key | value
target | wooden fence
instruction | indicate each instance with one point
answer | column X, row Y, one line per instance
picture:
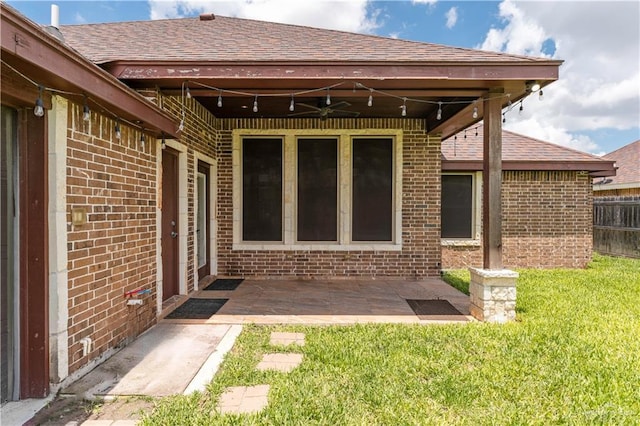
column 616, row 225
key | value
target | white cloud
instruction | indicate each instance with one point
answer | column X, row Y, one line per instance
column 79, row 19
column 429, row 2
column 534, row 128
column 599, row 85
column 522, row 35
column 351, row 15
column 452, row 17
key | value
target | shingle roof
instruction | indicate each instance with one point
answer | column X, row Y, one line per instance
column 235, row 39
column 627, row 160
column 518, row 148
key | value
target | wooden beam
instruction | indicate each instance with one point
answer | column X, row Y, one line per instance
column 449, row 74
column 462, row 119
column 34, row 255
column 492, row 182
column 197, row 91
column 593, row 167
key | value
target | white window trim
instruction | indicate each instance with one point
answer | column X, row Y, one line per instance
column 211, row 221
column 290, row 138
column 476, row 214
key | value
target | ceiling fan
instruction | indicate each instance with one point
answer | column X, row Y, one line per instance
column 323, row 111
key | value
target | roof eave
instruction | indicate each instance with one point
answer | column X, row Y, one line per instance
column 544, row 72
column 33, row 51
column 595, row 168
column 609, row 186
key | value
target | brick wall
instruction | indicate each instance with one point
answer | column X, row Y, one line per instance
column 114, row 252
column 420, row 254
column 547, row 222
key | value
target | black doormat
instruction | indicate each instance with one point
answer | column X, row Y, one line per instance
column 437, row 309
column 197, row 309
column 224, row 284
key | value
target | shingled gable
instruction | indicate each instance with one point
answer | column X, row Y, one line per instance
column 519, row 152
column 266, row 58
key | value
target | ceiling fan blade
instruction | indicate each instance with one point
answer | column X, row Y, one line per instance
column 345, row 113
column 314, row 113
column 341, row 104
column 313, row 107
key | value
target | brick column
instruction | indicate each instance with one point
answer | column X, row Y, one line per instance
column 493, row 294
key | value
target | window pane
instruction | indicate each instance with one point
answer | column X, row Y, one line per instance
column 457, row 206
column 372, row 190
column 317, row 190
column 262, row 189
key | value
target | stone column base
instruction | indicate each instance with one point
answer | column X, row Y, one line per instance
column 493, row 294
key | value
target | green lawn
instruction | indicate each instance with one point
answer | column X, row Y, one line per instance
column 572, row 357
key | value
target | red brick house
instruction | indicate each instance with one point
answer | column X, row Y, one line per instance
column 626, row 181
column 165, row 151
column 547, row 201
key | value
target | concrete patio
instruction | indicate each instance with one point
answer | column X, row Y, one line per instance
column 327, row 301
column 173, row 345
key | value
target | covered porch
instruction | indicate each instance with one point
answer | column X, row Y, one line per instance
column 369, row 111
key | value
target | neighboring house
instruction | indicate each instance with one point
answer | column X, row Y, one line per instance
column 626, row 182
column 230, row 147
column 617, row 205
column 546, row 195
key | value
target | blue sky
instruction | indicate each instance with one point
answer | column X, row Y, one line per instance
column 594, row 107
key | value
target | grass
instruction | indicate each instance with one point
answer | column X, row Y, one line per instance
column 572, row 357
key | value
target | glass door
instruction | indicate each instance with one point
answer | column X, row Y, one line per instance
column 203, row 233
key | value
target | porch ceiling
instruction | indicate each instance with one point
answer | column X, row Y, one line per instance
column 457, row 86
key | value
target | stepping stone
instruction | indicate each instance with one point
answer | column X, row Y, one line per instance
column 285, row 339
column 280, row 362
column 244, row 399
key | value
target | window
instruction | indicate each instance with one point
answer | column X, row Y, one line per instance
column 317, row 190
column 458, row 206
column 372, row 190
column 312, row 189
column 262, row 189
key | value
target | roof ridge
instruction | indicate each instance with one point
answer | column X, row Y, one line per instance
column 625, row 147
column 93, row 24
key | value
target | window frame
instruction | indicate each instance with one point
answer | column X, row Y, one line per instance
column 344, row 190
column 476, row 211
